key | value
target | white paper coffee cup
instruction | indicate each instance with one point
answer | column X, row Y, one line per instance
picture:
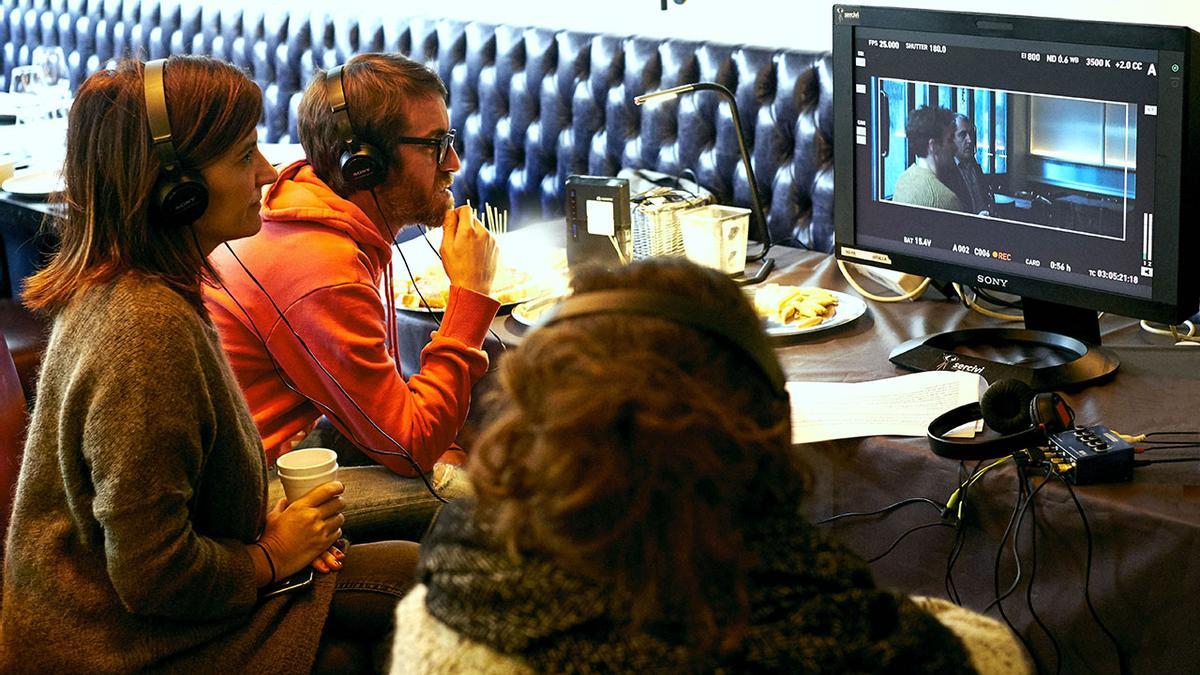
column 306, row 462
column 295, row 488
column 302, row 470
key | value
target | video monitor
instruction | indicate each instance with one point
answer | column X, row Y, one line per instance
column 1050, row 159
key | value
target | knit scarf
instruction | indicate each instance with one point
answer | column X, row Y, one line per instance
column 813, row 609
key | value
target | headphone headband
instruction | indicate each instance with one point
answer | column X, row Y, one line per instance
column 362, row 165
column 157, row 115
column 969, row 449
column 1044, row 414
column 748, row 338
column 336, row 93
column 180, row 195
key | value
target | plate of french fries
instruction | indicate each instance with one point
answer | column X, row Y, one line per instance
column 795, row 310
column 429, row 288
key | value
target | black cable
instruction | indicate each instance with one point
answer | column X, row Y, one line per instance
column 886, row 509
column 1024, row 489
column 1173, row 433
column 940, row 523
column 1147, row 462
column 981, row 293
column 996, row 571
column 1033, row 573
column 411, row 277
column 960, row 536
column 960, row 540
column 503, row 347
column 326, row 410
column 1122, row 661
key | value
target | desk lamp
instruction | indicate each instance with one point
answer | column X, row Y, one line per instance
column 760, row 221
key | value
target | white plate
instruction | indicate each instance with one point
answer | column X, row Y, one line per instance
column 531, row 293
column 531, row 312
column 35, row 183
column 849, row 308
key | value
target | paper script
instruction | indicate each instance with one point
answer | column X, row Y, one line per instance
column 896, row 406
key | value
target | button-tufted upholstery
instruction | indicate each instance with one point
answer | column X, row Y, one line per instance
column 532, row 105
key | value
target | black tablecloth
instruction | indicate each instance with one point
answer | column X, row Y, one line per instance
column 1145, row 534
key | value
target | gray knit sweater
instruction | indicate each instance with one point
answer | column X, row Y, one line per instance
column 142, row 479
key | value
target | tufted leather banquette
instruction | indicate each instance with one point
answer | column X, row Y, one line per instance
column 532, row 105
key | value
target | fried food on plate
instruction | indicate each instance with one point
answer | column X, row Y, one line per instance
column 511, row 285
column 798, row 306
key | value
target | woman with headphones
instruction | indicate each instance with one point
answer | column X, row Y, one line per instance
column 141, row 536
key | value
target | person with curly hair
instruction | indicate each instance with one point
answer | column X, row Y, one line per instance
column 638, row 507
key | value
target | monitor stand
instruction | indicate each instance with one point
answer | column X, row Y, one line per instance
column 1068, row 332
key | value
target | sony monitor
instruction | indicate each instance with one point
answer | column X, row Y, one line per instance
column 1054, row 160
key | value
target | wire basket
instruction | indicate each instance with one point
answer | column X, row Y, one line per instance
column 655, row 219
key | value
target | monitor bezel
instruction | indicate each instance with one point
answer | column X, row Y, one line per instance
column 1170, row 302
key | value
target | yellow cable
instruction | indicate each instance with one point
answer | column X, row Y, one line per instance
column 971, row 481
column 984, row 310
column 1128, row 438
column 914, row 293
column 1172, row 331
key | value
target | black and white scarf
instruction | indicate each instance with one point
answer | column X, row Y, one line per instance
column 813, row 609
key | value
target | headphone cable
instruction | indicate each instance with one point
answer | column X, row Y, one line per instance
column 1021, row 471
column 423, row 230
column 996, row 573
column 403, row 452
column 1122, row 661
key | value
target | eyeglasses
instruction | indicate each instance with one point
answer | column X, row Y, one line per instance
column 442, row 143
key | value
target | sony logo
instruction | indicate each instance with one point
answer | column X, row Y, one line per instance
column 992, row 281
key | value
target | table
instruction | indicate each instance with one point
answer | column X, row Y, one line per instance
column 1145, row 533
column 26, row 244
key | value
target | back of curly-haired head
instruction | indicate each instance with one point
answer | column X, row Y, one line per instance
column 634, row 449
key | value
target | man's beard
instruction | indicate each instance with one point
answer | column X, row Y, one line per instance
column 425, row 206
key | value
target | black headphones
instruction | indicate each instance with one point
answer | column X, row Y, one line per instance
column 180, row 194
column 362, row 165
column 1020, row 418
column 748, row 338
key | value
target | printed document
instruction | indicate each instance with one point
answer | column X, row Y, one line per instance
column 896, row 406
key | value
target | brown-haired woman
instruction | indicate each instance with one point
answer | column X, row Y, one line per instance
column 637, row 509
column 141, row 535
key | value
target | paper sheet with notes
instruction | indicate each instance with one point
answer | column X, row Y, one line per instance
column 896, row 406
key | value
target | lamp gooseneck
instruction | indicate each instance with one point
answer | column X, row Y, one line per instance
column 756, row 209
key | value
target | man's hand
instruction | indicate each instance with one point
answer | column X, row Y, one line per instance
column 468, row 251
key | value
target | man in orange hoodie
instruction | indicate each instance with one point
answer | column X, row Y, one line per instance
column 317, row 338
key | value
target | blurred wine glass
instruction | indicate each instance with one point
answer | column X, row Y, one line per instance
column 25, row 80
column 37, row 115
column 52, row 62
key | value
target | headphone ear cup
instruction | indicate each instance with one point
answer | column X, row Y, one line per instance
column 182, row 198
column 364, row 168
column 1051, row 411
column 1006, row 406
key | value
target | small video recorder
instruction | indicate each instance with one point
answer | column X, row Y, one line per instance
column 598, row 221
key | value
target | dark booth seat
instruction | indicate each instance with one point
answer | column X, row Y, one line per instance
column 532, row 105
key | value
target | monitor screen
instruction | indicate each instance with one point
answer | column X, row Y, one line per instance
column 1046, row 158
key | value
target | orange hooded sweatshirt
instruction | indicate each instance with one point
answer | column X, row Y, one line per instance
column 321, row 260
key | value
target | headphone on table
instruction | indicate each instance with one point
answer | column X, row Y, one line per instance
column 180, row 194
column 747, row 338
column 1020, row 418
column 362, row 165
